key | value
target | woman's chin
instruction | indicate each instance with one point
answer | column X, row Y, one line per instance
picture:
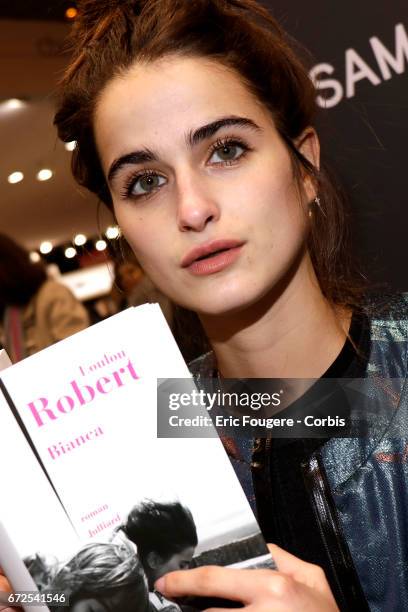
column 222, row 306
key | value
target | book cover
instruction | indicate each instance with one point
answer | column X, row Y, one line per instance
column 87, row 406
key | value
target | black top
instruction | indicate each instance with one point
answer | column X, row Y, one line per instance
column 285, row 513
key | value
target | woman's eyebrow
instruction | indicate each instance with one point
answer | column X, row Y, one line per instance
column 193, row 138
column 135, row 157
column 208, row 130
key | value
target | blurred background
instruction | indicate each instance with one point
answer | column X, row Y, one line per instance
column 41, row 206
column 357, row 55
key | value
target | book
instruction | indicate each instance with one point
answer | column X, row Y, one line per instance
column 85, row 468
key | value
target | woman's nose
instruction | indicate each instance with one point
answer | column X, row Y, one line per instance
column 196, row 206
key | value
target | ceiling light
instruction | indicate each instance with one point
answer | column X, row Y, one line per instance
column 34, row 257
column 44, row 175
column 70, row 252
column 70, row 146
column 79, row 239
column 100, row 245
column 12, row 104
column 45, row 247
column 112, row 232
column 71, row 12
column 15, row 177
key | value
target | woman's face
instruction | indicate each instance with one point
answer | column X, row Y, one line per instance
column 201, row 182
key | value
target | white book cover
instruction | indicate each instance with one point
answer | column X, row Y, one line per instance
column 31, row 517
column 88, row 405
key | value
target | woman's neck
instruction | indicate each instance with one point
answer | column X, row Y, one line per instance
column 293, row 334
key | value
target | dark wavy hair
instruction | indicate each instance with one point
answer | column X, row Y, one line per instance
column 20, row 278
column 110, row 35
column 163, row 528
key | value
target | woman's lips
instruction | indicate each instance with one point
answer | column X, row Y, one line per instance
column 215, row 262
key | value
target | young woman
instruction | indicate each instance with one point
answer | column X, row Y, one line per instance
column 193, row 120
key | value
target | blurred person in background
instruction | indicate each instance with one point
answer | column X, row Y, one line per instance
column 35, row 311
column 138, row 289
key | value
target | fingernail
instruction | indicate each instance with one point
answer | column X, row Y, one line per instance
column 160, row 584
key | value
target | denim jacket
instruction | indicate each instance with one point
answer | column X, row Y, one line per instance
column 358, row 487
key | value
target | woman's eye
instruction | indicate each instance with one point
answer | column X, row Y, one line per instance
column 227, row 152
column 146, row 183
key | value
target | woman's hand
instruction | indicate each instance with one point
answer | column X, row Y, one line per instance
column 5, row 586
column 296, row 585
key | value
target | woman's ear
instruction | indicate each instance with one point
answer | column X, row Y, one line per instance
column 309, row 146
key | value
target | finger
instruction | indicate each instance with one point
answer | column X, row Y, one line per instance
column 289, row 564
column 308, row 574
column 221, row 609
column 285, row 561
column 6, row 587
column 4, row 584
column 213, row 581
